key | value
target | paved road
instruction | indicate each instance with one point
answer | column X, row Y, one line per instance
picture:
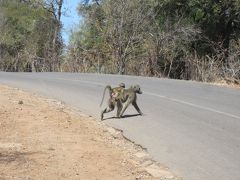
column 193, row 128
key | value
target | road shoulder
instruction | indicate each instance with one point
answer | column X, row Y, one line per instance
column 43, row 138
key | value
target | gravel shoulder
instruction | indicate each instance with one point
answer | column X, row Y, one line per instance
column 44, row 139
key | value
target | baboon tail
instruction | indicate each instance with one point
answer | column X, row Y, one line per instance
column 110, row 89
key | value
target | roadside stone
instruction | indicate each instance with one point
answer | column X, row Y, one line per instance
column 20, row 102
column 114, row 133
column 51, row 149
column 158, row 172
column 111, row 130
column 147, row 163
column 169, row 177
column 142, row 155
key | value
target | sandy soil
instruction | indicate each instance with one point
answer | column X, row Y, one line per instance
column 42, row 139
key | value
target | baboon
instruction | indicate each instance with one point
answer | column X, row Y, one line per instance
column 114, row 94
column 127, row 97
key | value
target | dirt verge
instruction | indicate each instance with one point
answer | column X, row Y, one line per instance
column 43, row 139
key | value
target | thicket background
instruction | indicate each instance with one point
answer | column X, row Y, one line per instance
column 181, row 39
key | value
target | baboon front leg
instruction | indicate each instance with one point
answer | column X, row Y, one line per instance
column 124, row 108
column 137, row 108
column 119, row 108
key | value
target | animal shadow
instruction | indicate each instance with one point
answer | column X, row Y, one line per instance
column 123, row 117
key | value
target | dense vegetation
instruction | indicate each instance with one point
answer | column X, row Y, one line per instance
column 30, row 37
column 182, row 39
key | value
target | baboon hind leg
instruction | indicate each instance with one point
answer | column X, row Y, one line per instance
column 108, row 109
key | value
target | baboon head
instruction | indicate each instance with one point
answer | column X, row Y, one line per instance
column 137, row 89
column 122, row 85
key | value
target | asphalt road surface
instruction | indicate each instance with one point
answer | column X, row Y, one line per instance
column 193, row 128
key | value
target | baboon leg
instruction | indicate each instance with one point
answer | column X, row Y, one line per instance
column 102, row 113
column 124, row 108
column 119, row 108
column 137, row 108
column 108, row 109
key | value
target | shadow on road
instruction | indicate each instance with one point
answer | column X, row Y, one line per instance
column 125, row 116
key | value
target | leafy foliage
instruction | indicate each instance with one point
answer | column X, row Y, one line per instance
column 26, row 36
column 167, row 38
column 183, row 39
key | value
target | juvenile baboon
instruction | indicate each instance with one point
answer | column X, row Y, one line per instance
column 114, row 94
column 127, row 97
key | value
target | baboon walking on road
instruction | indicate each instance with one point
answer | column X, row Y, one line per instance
column 129, row 96
column 114, row 94
column 122, row 98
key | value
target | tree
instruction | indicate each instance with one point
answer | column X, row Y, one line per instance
column 29, row 40
column 55, row 7
column 183, row 39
